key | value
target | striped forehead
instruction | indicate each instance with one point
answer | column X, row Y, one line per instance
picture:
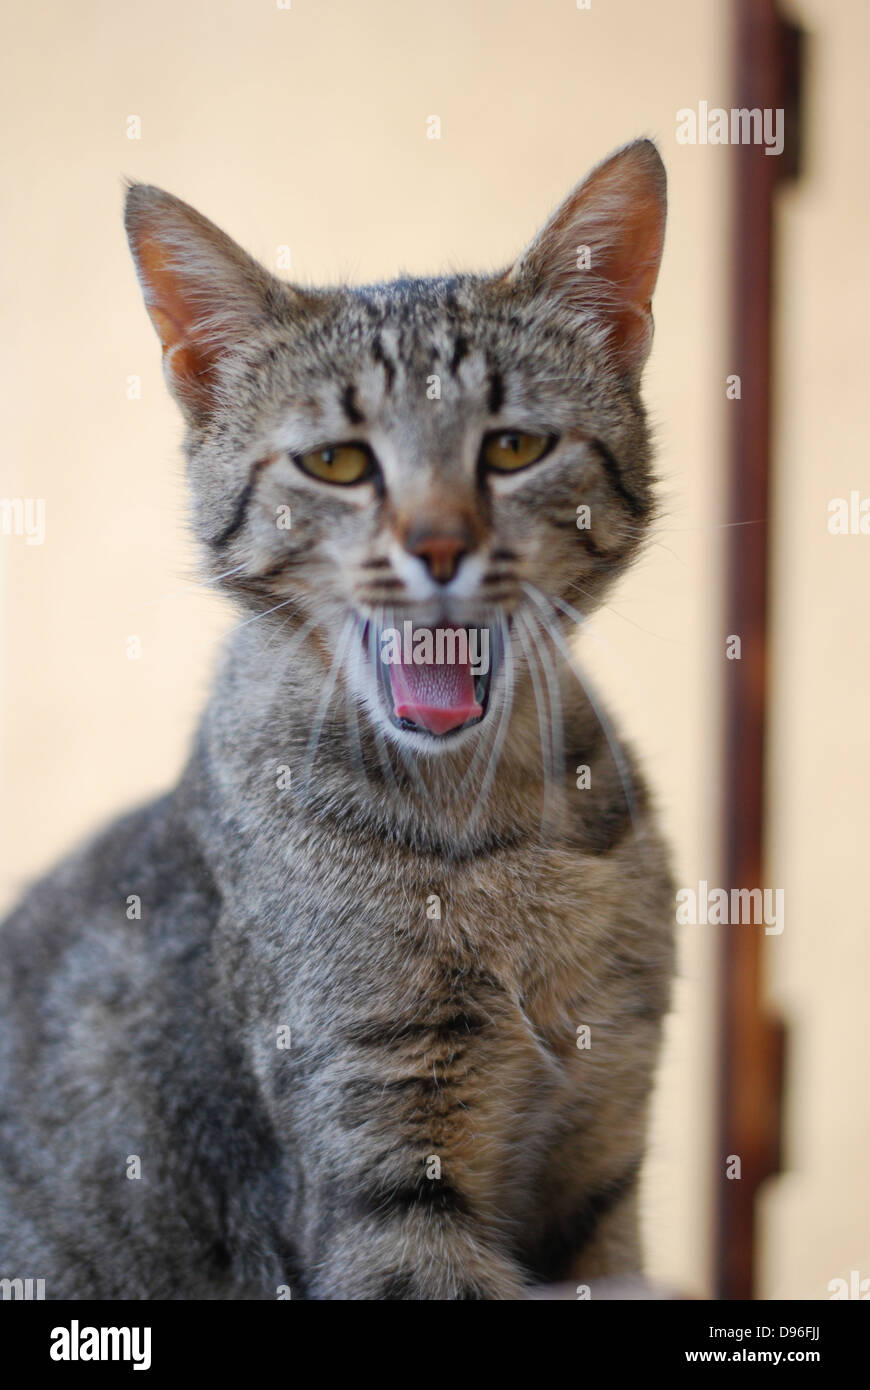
column 405, row 368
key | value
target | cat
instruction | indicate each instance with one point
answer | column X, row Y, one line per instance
column 369, row 1006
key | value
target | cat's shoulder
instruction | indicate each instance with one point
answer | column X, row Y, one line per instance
column 138, row 886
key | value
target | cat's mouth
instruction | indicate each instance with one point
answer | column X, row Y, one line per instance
column 433, row 681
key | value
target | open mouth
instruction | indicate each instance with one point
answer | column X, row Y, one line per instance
column 434, row 681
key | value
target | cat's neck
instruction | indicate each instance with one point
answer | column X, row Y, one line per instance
column 274, row 752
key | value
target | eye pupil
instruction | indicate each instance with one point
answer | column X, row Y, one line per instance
column 328, row 455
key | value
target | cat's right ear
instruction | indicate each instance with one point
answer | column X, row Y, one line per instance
column 203, row 292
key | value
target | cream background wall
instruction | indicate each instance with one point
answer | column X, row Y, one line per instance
column 816, row 1219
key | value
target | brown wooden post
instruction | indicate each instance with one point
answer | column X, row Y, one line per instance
column 767, row 54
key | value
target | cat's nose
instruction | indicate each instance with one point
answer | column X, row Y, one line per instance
column 440, row 551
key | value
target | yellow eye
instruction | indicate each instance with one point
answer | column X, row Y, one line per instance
column 506, row 451
column 339, row 463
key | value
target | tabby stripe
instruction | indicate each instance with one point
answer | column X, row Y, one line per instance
column 389, row 1034
column 409, row 1101
column 496, row 393
column 460, row 351
column 351, row 409
column 562, row 1245
column 569, row 523
column 600, row 1204
column 398, row 1286
column 424, row 1195
column 436, row 1085
column 638, row 506
column 241, row 510
column 388, row 365
column 404, row 1287
column 604, row 827
column 604, row 822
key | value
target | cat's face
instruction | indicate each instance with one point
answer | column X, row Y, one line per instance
column 425, row 475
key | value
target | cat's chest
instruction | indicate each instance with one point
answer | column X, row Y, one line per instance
column 451, row 1001
column 534, row 926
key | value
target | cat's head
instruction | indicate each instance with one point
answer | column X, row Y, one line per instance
column 431, row 468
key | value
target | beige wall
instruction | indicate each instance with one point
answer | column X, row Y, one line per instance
column 817, row 1218
column 307, row 127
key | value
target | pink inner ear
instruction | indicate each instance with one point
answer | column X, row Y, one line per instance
column 619, row 213
column 637, row 250
column 633, row 265
column 624, row 220
column 172, row 315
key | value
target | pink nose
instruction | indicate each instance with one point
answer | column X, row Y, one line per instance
column 441, row 554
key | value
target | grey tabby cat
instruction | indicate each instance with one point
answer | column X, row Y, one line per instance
column 341, row 1051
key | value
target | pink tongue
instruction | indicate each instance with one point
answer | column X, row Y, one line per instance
column 436, row 697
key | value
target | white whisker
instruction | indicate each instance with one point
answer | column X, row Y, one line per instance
column 501, row 731
column 325, row 699
column 194, row 588
column 543, row 727
column 541, row 600
column 257, row 616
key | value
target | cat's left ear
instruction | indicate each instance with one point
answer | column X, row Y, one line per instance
column 204, row 294
column 599, row 254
